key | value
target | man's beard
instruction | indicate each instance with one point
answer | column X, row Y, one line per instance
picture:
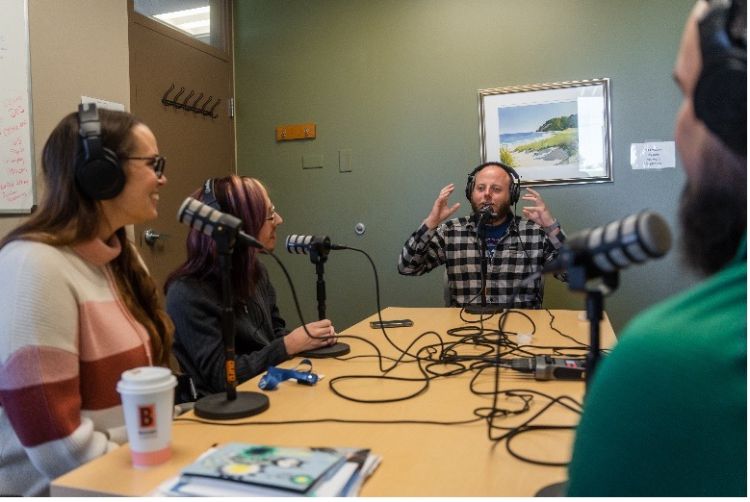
column 502, row 212
column 713, row 218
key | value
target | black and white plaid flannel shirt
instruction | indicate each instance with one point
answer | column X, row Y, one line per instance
column 524, row 249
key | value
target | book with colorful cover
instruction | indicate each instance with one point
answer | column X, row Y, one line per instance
column 279, row 467
column 238, row 469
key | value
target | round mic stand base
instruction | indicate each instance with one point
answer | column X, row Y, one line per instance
column 553, row 490
column 335, row 350
column 218, row 407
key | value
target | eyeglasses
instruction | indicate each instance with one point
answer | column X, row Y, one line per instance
column 158, row 163
column 272, row 214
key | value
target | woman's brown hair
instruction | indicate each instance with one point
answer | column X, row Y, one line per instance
column 67, row 217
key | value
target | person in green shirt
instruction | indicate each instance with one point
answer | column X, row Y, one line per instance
column 666, row 414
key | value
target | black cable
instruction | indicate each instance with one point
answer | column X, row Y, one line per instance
column 553, row 328
column 514, row 223
column 442, row 355
column 304, row 324
column 329, row 420
column 528, row 427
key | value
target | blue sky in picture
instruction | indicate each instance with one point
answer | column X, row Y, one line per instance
column 529, row 118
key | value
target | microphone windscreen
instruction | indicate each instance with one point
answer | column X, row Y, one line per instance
column 203, row 218
column 188, row 214
column 487, row 212
column 298, row 244
column 634, row 239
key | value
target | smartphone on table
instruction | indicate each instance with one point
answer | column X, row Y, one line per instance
column 394, row 323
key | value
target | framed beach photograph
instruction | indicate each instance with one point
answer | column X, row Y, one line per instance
column 557, row 133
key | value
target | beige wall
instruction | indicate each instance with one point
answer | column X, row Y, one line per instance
column 78, row 47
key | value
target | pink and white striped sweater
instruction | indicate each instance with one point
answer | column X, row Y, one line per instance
column 65, row 338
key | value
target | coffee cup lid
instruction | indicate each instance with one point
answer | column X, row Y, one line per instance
column 146, row 379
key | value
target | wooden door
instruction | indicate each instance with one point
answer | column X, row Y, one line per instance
column 197, row 145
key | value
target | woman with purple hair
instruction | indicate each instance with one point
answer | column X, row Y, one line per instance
column 194, row 295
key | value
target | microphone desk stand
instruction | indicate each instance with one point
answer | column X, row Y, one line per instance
column 483, row 308
column 579, row 280
column 318, row 256
column 231, row 404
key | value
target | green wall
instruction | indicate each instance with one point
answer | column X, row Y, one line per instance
column 395, row 82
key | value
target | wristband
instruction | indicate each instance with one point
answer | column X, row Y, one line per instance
column 555, row 224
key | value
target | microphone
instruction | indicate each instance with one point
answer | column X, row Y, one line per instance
column 213, row 222
column 303, row 244
column 614, row 246
column 486, row 212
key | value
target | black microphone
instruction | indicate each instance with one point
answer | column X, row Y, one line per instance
column 302, row 244
column 485, row 212
column 213, row 222
column 616, row 245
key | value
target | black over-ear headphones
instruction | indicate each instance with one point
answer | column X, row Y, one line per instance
column 99, row 174
column 720, row 97
column 515, row 180
column 209, row 196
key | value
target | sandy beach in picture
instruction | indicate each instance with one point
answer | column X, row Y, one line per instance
column 539, row 135
column 536, row 154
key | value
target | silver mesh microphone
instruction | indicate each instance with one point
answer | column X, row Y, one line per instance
column 208, row 220
column 301, row 244
column 616, row 245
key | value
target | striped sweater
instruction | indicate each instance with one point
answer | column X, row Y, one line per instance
column 65, row 338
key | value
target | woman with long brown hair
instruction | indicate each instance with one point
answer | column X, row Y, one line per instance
column 78, row 306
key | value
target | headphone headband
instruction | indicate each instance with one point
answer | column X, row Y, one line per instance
column 209, row 194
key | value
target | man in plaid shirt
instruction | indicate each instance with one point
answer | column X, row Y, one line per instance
column 517, row 247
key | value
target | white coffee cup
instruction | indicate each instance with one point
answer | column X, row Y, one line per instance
column 148, row 402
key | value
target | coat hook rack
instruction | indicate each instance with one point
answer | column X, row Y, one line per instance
column 185, row 104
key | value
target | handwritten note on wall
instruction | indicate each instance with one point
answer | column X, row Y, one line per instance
column 652, row 155
column 16, row 146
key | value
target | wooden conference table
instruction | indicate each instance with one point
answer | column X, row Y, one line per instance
column 417, row 459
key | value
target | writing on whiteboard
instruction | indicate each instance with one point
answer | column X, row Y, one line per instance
column 15, row 172
column 16, row 143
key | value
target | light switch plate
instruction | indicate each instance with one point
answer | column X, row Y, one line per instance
column 345, row 161
column 312, row 161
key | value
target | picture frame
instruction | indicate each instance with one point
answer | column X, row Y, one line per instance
column 551, row 134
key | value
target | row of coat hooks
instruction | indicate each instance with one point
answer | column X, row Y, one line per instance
column 185, row 103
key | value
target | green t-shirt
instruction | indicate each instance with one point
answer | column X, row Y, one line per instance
column 666, row 414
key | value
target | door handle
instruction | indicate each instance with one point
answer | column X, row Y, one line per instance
column 151, row 236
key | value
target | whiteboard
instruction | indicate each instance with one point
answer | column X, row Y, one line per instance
column 16, row 142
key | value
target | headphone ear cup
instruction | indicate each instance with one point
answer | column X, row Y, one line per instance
column 720, row 102
column 98, row 172
column 720, row 95
column 469, row 187
column 515, row 192
column 102, row 177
